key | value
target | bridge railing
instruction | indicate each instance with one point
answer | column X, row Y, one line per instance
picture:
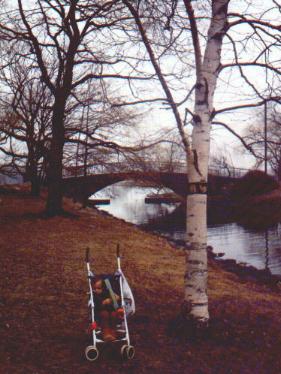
column 118, row 167
column 80, row 171
column 228, row 172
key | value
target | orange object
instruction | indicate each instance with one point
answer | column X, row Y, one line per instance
column 120, row 313
column 93, row 326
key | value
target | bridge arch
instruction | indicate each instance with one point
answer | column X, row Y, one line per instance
column 81, row 188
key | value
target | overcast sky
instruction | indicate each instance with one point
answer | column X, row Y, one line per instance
column 231, row 89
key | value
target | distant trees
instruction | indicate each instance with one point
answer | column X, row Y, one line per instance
column 163, row 154
column 255, row 137
column 253, row 183
column 25, row 109
column 65, row 42
column 93, row 126
column 222, row 162
column 95, row 129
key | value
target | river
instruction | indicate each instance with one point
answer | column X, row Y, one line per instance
column 261, row 249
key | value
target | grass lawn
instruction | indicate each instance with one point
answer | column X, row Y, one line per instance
column 43, row 299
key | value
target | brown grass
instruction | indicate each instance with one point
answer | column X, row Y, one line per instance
column 43, row 300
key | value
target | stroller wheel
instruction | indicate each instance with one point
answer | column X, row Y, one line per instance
column 91, row 353
column 127, row 352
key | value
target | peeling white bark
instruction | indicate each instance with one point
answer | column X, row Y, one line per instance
column 197, row 152
column 196, row 258
column 196, row 299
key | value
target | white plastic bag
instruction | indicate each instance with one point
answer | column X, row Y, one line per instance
column 129, row 300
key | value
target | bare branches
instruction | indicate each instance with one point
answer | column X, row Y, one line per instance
column 256, row 137
column 137, row 102
column 253, row 63
column 241, row 139
column 246, row 106
column 108, row 76
column 242, row 19
column 195, row 36
column 159, row 73
column 34, row 41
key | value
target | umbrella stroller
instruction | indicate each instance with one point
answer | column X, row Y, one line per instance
column 120, row 303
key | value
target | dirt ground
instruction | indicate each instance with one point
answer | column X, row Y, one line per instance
column 43, row 300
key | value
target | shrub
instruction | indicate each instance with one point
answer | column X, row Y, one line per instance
column 260, row 213
column 254, row 183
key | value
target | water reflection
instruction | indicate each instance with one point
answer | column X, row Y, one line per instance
column 266, row 242
column 127, row 202
column 261, row 249
column 258, row 248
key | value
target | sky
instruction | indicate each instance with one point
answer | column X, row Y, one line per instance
column 231, row 89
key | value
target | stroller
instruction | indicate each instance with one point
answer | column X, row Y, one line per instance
column 122, row 299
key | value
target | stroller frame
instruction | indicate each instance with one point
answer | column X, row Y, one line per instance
column 127, row 350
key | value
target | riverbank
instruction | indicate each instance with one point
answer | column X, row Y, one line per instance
column 254, row 212
column 43, row 300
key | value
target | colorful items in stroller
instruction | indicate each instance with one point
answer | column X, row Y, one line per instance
column 111, row 302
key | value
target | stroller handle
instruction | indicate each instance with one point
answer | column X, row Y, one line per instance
column 87, row 255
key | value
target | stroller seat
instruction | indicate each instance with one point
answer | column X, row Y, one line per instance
column 110, row 303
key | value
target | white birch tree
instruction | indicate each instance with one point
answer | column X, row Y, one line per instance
column 207, row 69
column 220, row 37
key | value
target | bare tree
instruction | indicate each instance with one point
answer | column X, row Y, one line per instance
column 13, row 159
column 25, row 104
column 65, row 40
column 256, row 135
column 228, row 40
column 95, row 129
column 93, row 123
column 222, row 163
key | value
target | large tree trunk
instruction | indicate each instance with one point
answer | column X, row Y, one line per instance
column 196, row 299
column 35, row 185
column 54, row 172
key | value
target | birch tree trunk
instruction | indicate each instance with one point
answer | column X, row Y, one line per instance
column 195, row 305
column 196, row 299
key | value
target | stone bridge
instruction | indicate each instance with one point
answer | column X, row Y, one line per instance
column 82, row 187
